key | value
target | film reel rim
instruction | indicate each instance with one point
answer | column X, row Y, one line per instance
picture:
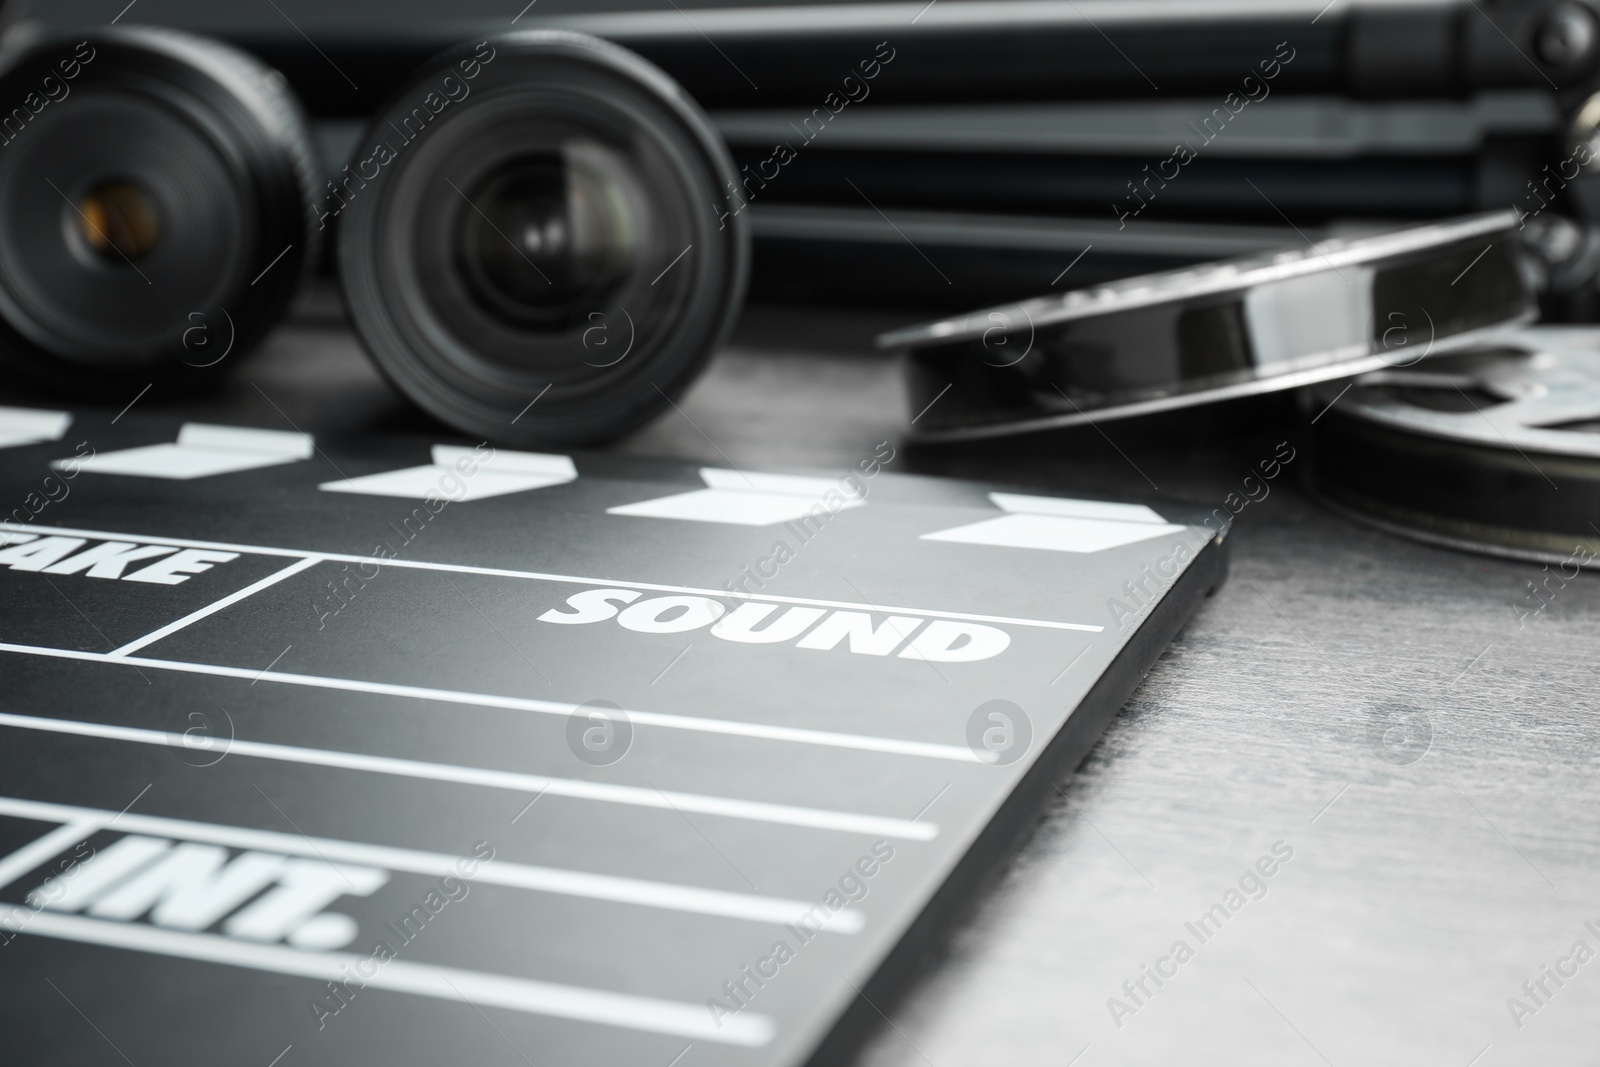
column 1212, row 279
column 1443, row 539
column 1217, row 332
column 1307, row 377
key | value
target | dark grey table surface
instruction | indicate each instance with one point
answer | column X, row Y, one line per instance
column 1387, row 711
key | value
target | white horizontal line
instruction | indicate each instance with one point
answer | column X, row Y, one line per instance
column 496, row 572
column 797, row 735
column 423, row 979
column 759, row 811
column 228, row 601
column 84, row 821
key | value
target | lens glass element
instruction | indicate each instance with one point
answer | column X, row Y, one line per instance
column 118, row 221
column 546, row 234
column 533, row 234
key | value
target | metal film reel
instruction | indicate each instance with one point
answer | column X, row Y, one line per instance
column 1215, row 332
column 1494, row 450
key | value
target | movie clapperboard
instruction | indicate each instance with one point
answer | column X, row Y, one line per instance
column 377, row 750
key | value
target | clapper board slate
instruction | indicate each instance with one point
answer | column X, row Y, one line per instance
column 387, row 751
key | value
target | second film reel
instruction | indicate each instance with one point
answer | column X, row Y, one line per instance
column 1493, row 450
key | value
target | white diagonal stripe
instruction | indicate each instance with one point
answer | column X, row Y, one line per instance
column 210, row 609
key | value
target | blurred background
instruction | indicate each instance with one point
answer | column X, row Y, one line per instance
column 1001, row 139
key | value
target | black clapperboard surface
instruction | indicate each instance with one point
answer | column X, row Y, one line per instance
column 387, row 751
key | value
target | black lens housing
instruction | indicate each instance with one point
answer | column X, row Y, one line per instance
column 539, row 241
column 209, row 146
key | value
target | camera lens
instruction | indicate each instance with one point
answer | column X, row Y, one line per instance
column 537, row 241
column 148, row 181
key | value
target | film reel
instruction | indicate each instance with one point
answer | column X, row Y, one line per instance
column 1494, row 450
column 1223, row 330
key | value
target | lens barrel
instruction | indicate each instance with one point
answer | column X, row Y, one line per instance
column 538, row 241
column 156, row 194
